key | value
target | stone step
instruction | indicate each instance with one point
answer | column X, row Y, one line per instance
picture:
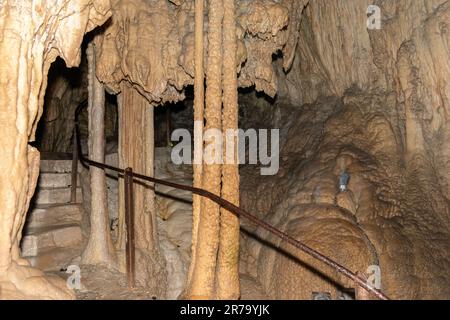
column 181, row 195
column 54, row 259
column 57, row 166
column 54, row 215
column 41, row 239
column 55, row 195
column 56, row 180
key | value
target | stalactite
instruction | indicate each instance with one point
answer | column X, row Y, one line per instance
column 214, row 267
column 203, row 277
column 100, row 248
column 136, row 150
column 199, row 106
column 228, row 256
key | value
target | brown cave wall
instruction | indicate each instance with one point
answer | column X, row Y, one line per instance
column 66, row 91
column 33, row 34
column 376, row 104
column 148, row 46
column 151, row 45
column 372, row 102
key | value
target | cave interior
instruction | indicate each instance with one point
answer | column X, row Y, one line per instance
column 339, row 109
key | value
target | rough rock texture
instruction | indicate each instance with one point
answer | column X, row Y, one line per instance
column 33, row 34
column 228, row 286
column 100, row 248
column 136, row 150
column 198, row 117
column 372, row 102
column 202, row 284
column 66, row 91
column 174, row 209
column 385, row 121
column 151, row 44
column 174, row 212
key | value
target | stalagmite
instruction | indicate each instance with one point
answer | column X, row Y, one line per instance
column 199, row 106
column 360, row 101
column 203, row 277
column 100, row 248
column 228, row 256
column 215, row 245
column 136, row 150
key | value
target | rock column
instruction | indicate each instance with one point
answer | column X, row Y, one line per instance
column 100, row 248
column 228, row 256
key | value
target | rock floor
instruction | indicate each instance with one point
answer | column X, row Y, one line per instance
column 100, row 283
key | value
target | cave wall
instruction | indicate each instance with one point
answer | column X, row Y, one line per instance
column 373, row 102
column 32, row 35
column 66, row 91
column 151, row 45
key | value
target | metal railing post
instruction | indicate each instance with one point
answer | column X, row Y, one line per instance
column 129, row 219
column 74, row 182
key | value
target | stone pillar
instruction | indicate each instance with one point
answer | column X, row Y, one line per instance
column 228, row 256
column 203, row 276
column 199, row 106
column 136, row 150
column 100, row 248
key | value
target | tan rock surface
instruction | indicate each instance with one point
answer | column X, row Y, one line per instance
column 34, row 34
column 152, row 45
column 372, row 102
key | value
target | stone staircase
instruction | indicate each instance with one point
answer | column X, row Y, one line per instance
column 52, row 235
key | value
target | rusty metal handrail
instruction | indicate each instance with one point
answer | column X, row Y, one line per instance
column 129, row 217
column 238, row 211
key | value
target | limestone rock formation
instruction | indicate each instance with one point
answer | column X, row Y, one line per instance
column 151, row 44
column 148, row 47
column 100, row 248
column 372, row 102
column 66, row 91
column 33, row 35
column 347, row 97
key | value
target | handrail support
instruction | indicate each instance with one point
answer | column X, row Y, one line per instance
column 129, row 218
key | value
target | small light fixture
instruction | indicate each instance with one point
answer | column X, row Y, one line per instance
column 343, row 181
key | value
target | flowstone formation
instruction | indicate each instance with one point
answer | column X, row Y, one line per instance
column 374, row 104
column 147, row 47
column 370, row 104
column 33, row 35
column 147, row 52
column 151, row 45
